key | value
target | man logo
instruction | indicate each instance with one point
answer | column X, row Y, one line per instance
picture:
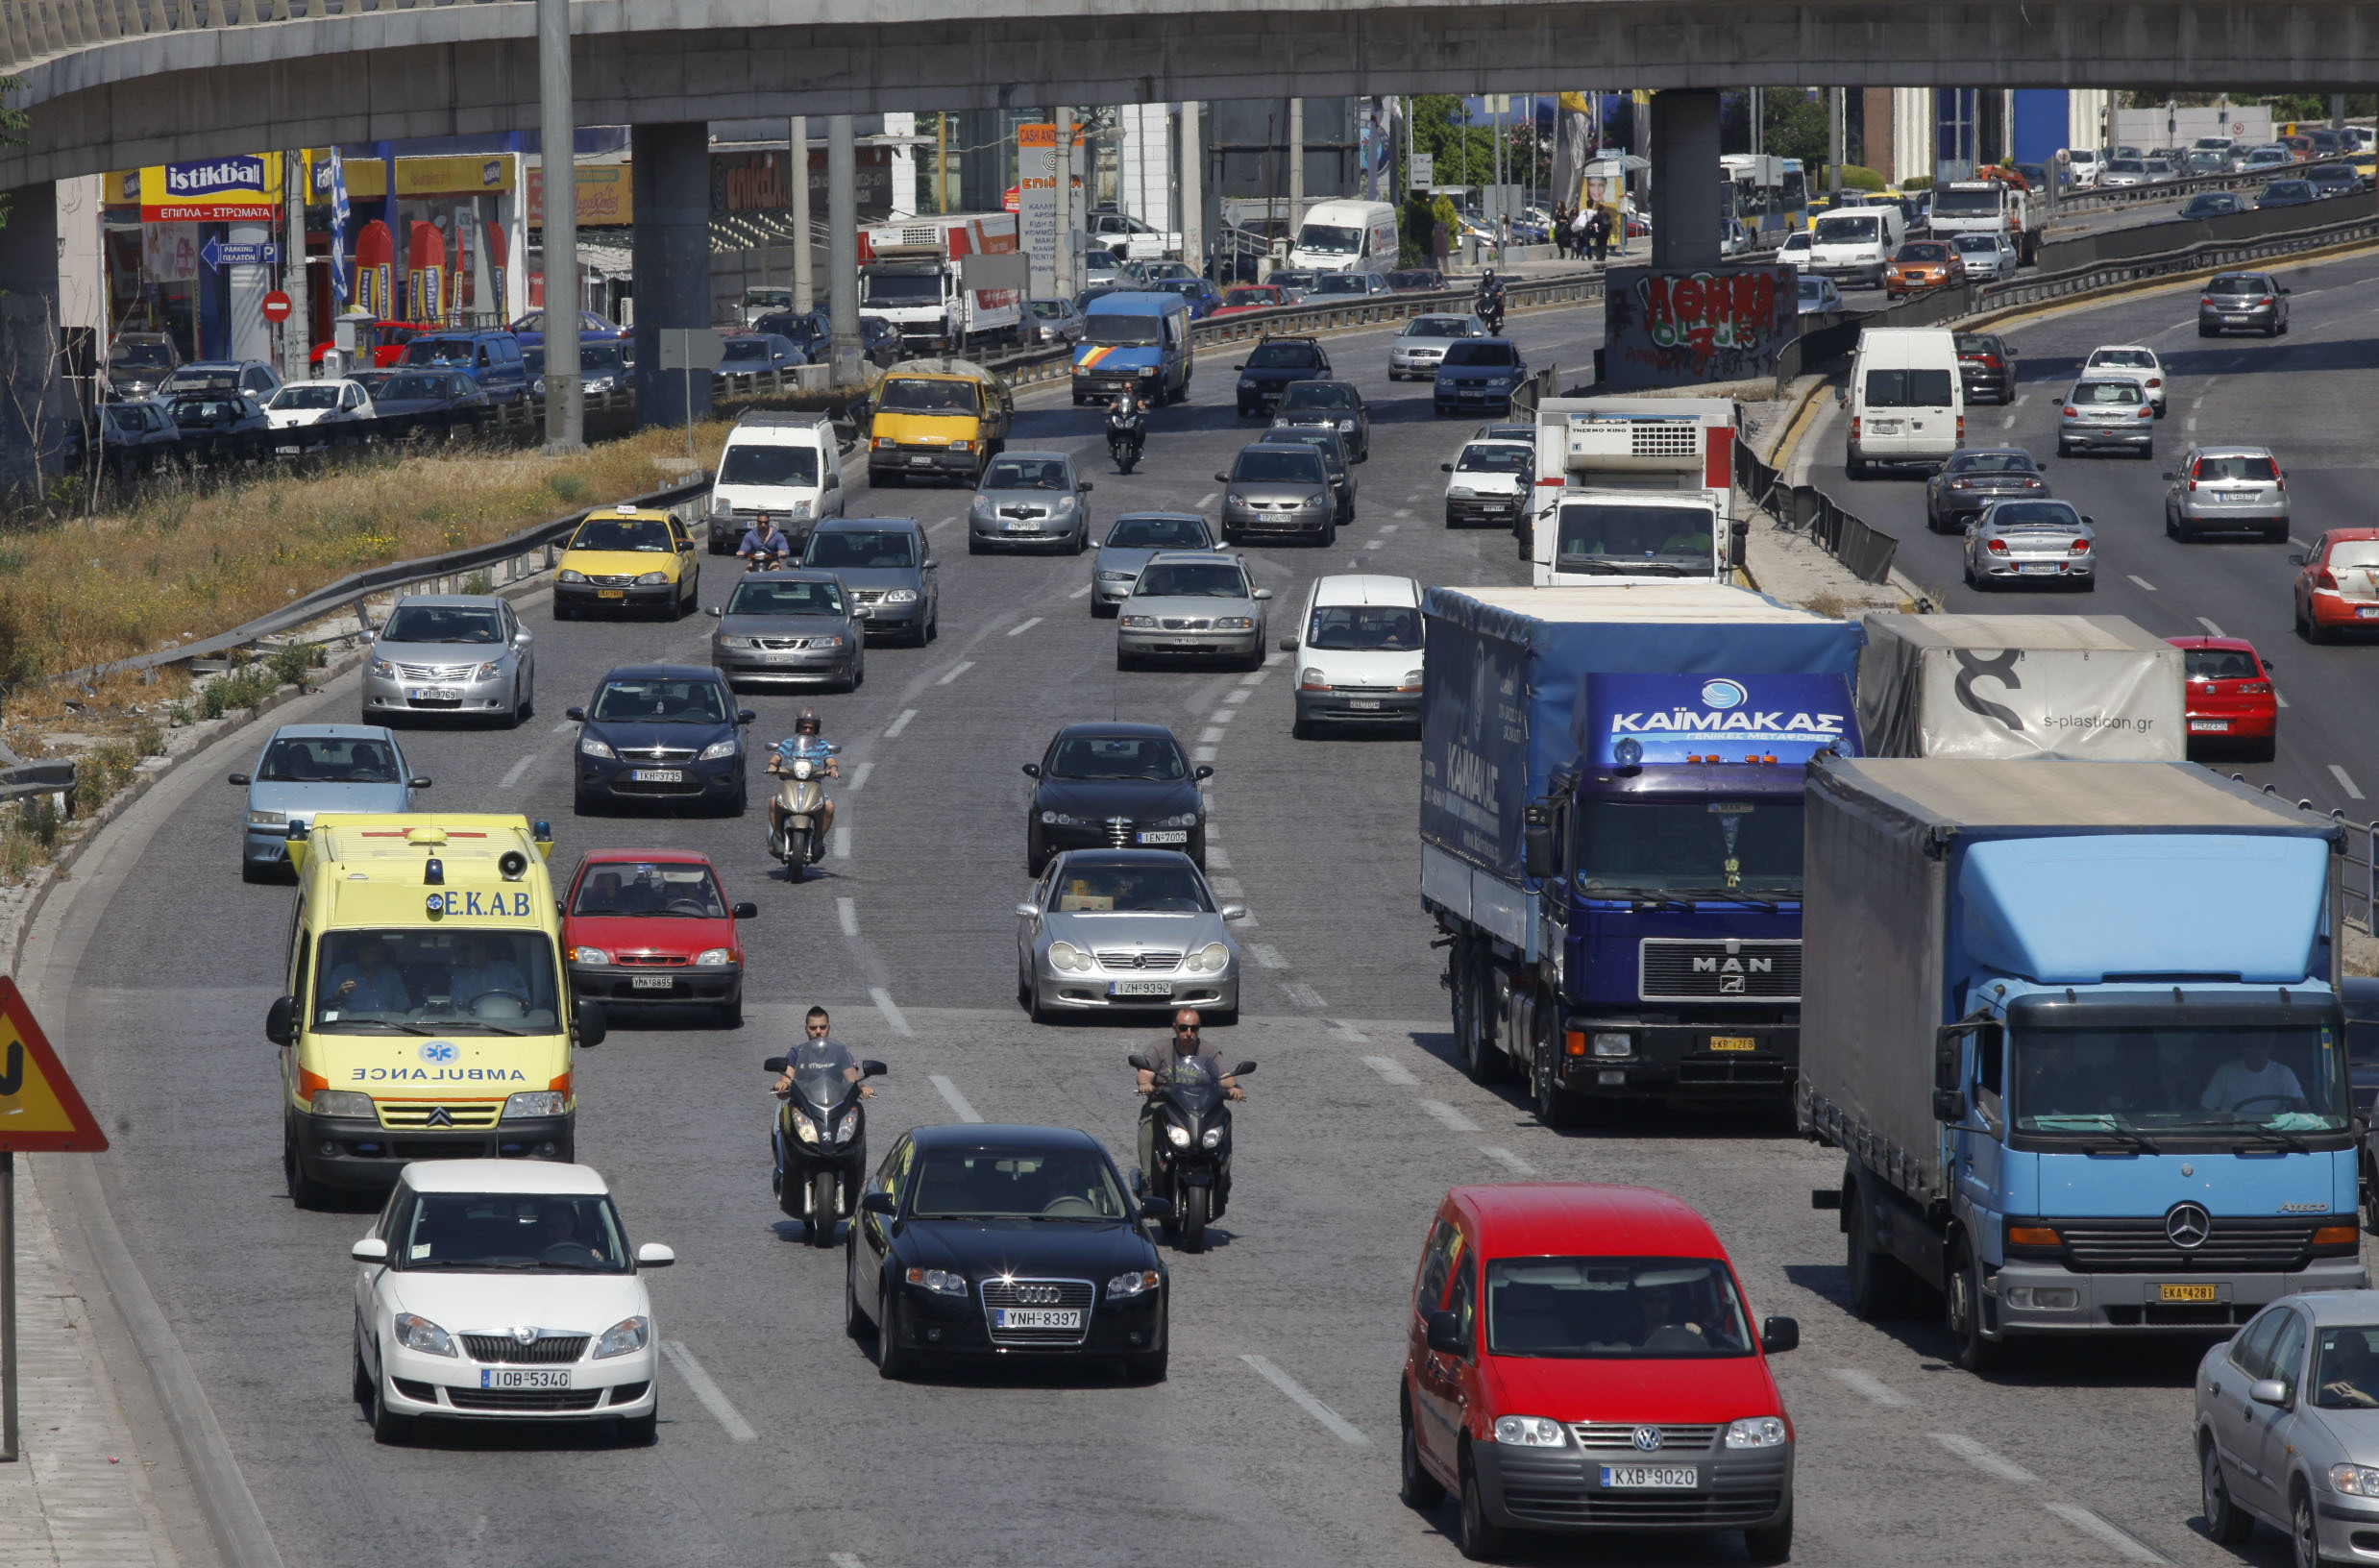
column 1723, row 694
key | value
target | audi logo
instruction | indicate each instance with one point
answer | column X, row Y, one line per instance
column 1647, row 1438
column 2187, row 1226
column 1037, row 1295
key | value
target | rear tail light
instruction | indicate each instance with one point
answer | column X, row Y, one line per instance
column 2279, row 481
column 2155, row 381
column 2207, row 301
column 1961, row 430
column 2031, row 485
column 2147, row 414
column 1854, row 421
column 2081, row 547
column 2263, row 298
column 2255, row 688
column 2071, row 412
column 2192, row 484
column 1998, row 546
column 2324, row 578
column 1992, row 360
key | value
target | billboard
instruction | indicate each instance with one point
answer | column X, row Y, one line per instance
column 1036, row 173
column 244, row 187
column 1683, row 328
column 606, row 198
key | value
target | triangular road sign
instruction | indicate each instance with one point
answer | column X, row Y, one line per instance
column 40, row 1110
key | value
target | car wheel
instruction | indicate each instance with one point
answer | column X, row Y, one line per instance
column 2063, row 450
column 1963, row 1300
column 1416, row 1487
column 2281, row 330
column 1475, row 1537
column 642, row 1431
column 388, row 1428
column 1330, row 535
column 2224, row 1520
column 891, row 1361
column 518, row 711
column 2088, row 584
column 2275, row 533
column 1153, row 1367
column 2172, row 525
column 252, row 871
column 974, row 546
column 304, row 1191
column 1772, row 1544
column 1855, row 466
column 2303, row 1536
column 2203, row 331
column 1556, row 1106
column 855, row 1322
column 359, row 1387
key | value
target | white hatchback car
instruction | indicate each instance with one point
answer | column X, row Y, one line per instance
column 1359, row 653
column 505, row 1289
column 2132, row 362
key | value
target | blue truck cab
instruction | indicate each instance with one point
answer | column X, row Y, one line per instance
column 2077, row 1029
column 1136, row 343
column 492, row 358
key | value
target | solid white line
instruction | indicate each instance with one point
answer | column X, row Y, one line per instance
column 847, row 910
column 1985, row 1459
column 1264, row 952
column 2346, row 783
column 1207, row 499
column 512, row 775
column 1508, row 1160
column 2090, row 1525
column 954, row 672
column 1868, row 1386
column 1395, row 1072
column 859, row 778
column 2142, row 582
column 1305, row 1402
column 1454, row 1119
column 1083, row 592
column 1209, row 734
column 958, row 1101
column 891, row 1010
column 1024, row 627
column 2211, row 630
column 697, row 1382
column 900, row 724
column 1350, row 1031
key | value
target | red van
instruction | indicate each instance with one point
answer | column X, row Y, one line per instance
column 1580, row 1357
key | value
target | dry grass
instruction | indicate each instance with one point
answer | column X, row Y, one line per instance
column 177, row 563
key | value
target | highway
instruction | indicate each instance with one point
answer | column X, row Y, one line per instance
column 1274, row 1440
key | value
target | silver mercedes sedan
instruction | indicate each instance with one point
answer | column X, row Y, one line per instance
column 1135, row 538
column 1109, row 929
column 2287, row 1421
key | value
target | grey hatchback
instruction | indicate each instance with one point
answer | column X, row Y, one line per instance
column 1332, row 448
column 1279, row 490
column 789, row 625
column 2219, row 489
column 2242, row 301
column 1136, row 537
column 2106, row 416
column 884, row 564
column 2287, row 1416
column 1029, row 497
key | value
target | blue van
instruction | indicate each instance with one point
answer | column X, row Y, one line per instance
column 493, row 359
column 1137, row 343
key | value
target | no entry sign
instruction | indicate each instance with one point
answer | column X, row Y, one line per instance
column 276, row 305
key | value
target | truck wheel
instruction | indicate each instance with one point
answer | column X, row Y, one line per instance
column 1964, row 1294
column 1879, row 1282
column 1556, row 1106
column 1474, row 1029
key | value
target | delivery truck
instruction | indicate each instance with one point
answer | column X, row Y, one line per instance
column 946, row 282
column 1635, row 490
column 2075, row 1030
column 1610, row 832
column 2093, row 687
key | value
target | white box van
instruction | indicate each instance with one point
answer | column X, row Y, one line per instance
column 1853, row 245
column 1907, row 404
column 1358, row 653
column 786, row 465
column 1346, row 237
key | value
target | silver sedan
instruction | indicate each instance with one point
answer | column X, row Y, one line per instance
column 1414, row 352
column 1134, row 538
column 2045, row 542
column 2287, row 1419
column 1029, row 497
column 454, row 654
column 1108, row 929
column 1193, row 604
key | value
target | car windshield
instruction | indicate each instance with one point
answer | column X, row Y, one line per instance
column 1322, row 438
column 1285, row 357
column 1812, row 289
column 1437, row 326
column 994, row 1184
column 1319, row 394
column 1413, row 280
column 1158, row 534
column 2026, row 516
column 205, row 410
column 524, row 1231
column 649, row 887
column 763, row 596
column 1993, row 462
column 1384, row 628
column 1480, row 354
column 2105, row 392
column 1342, row 282
column 900, row 288
column 443, row 623
column 2123, row 359
column 1330, row 239
column 2235, row 468
column 746, row 348
column 1028, row 474
column 1494, row 458
column 1123, row 331
column 2221, row 664
column 189, row 380
column 1277, row 465
column 310, row 759
column 1151, row 887
column 1923, row 251
column 752, row 463
column 1622, row 848
column 1156, row 758
column 1636, row 1309
column 1977, row 242
column 1048, row 309
column 908, row 395
column 131, row 352
column 2239, row 283
column 1186, row 288
column 2286, row 188
column 1617, row 537
column 441, row 979
column 1256, row 294
column 1845, row 228
column 629, row 533
column 1192, row 579
column 661, row 699
column 861, row 548
column 439, row 351
column 2125, row 165
column 769, row 299
column 307, row 395
column 427, row 388
column 2211, row 1080
column 1966, row 203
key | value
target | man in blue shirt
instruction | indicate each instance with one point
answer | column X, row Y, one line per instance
column 765, row 544
column 478, row 974
column 368, row 984
column 808, row 742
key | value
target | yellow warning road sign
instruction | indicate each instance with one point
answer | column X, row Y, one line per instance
column 40, row 1110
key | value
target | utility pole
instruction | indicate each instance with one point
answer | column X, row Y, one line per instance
column 297, row 333
column 1064, row 271
column 942, row 160
column 1833, row 145
column 1296, row 165
column 843, row 246
column 804, row 262
column 564, row 399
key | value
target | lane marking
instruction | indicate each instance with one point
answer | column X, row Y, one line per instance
column 1265, row 954
column 1395, row 1072
column 1508, row 1160
column 2107, row 1532
column 840, row 848
column 1454, row 1119
column 847, row 910
column 1350, row 1031
column 2277, row 698
column 1227, row 886
column 955, row 671
column 2007, row 422
column 1374, row 544
column 956, row 1101
column 1304, row 995
column 1403, row 513
column 859, row 778
column 1083, row 592
column 1208, row 736
column 2142, row 582
column 697, row 1382
column 1387, row 528
column 565, row 727
column 891, row 1010
column 900, row 724
column 1204, row 753
column 1253, row 677
column 1218, row 856
column 1867, row 1385
column 1985, row 1459
column 1238, row 695
column 1223, row 716
column 1344, row 1428
column 844, row 1559
column 1024, row 627
column 512, row 775
column 2344, row 782
column 2211, row 630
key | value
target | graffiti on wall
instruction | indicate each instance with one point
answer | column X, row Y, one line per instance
column 1681, row 329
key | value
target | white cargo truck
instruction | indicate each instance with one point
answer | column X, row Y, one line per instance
column 1633, row 490
column 2089, row 687
column 946, row 283
column 1986, row 206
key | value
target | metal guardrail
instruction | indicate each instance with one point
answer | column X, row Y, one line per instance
column 1866, row 549
column 32, row 778
column 2102, row 197
column 2368, row 862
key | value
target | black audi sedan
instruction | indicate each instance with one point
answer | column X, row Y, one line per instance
column 1005, row 1242
column 666, row 734
column 1115, row 786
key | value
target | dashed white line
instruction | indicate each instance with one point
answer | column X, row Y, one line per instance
column 1223, row 716
column 1209, row 735
column 955, row 671
column 1508, row 1160
column 512, row 775
column 1986, row 1460
column 1374, row 544
column 859, row 778
column 1204, row 753
column 2211, row 630
column 847, row 910
column 1304, row 995
column 2344, row 782
column 1216, row 856
column 844, row 1559
column 698, row 1383
column 891, row 1010
column 1237, row 694
column 1253, row 677
column 840, row 847
column 956, row 1101
column 1387, row 528
column 1227, row 886
column 2022, row 398
column 1207, row 499
column 2007, row 422
column 1267, row 955
column 1344, row 1428
column 2112, row 1535
column 1387, row 1067
column 900, row 724
column 565, row 727
column 2277, row 698
column 1867, row 1385
column 1403, row 513
column 1024, row 625
column 2142, row 582
column 1454, row 1119
column 1083, row 592
column 1349, row 1030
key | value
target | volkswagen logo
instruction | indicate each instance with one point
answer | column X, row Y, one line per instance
column 1037, row 1295
column 1647, row 1438
column 2187, row 1226
column 524, row 1335
column 438, row 1117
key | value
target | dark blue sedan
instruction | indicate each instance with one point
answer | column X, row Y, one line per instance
column 1478, row 374
column 667, row 734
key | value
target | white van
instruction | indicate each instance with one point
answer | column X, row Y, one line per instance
column 1346, row 237
column 786, row 465
column 1853, row 245
column 1907, row 404
column 1358, row 653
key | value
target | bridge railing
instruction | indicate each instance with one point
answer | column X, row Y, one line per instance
column 2102, row 197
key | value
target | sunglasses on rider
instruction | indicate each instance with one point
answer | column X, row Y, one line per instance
column 1184, row 1028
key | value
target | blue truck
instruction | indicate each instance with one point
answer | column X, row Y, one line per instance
column 1610, row 832
column 2075, row 1028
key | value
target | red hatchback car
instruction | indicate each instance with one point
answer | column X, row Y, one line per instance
column 654, row 926
column 2338, row 586
column 2228, row 698
column 1581, row 1359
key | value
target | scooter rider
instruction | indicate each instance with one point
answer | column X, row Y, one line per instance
column 808, row 740
column 1490, row 300
column 1186, row 1061
column 1125, row 420
column 820, row 1049
column 765, row 544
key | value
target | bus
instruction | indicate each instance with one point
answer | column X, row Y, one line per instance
column 1770, row 196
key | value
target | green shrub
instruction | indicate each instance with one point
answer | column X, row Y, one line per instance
column 16, row 854
column 148, row 739
column 570, row 487
column 38, row 816
column 290, row 664
column 1859, row 176
column 212, row 703
column 478, row 582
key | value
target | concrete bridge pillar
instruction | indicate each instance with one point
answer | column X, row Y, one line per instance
column 1684, row 179
column 34, row 407
column 842, row 247
column 673, row 264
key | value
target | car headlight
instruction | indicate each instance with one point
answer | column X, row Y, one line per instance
column 981, row 505
column 268, row 818
column 1235, row 499
column 962, row 446
column 1347, row 425
column 714, row 956
column 1411, row 681
column 592, row 747
column 1322, row 500
column 422, row 1335
column 630, row 1334
column 900, row 596
column 589, row 955
column 1214, row 958
column 1117, row 576
column 342, row 1102
column 1145, row 370
column 1137, row 621
column 737, row 642
column 651, row 578
column 1312, row 678
column 941, row 1280
column 383, row 669
column 2354, row 1479
column 1186, row 819
column 1617, row 1045
column 1179, row 1135
column 1058, row 819
column 1756, row 1431
column 803, row 1128
column 843, row 1129
column 1247, row 383
column 1529, row 1431
column 718, row 749
column 723, row 510
column 1212, row 1138
column 1065, row 955
column 1464, row 491
column 535, row 1102
column 568, row 574
column 1235, row 622
column 488, row 671
column 1138, row 1283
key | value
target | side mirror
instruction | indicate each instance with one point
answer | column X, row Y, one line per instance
column 745, row 715
column 1540, row 853
column 522, row 637
column 771, row 1063
column 2298, row 559
column 240, row 780
column 1086, row 487
column 2269, row 666
column 418, row 781
column 654, row 1255
column 1244, row 367
column 578, row 714
column 1153, row 1206
column 715, row 612
column 861, row 612
column 281, row 1021
column 1288, row 644
column 1949, row 1105
column 2268, row 1391
column 2089, row 519
column 934, row 563
column 1137, row 1060
column 1032, row 769
column 590, row 1025
column 2169, row 478
column 1234, row 911
column 370, row 1250
column 1242, row 1069
column 1206, row 770
column 873, row 1068
column 747, row 911
column 1262, row 593
column 1445, row 468
column 878, row 1203
column 1027, row 911
column 1445, row 1334
column 1778, row 1335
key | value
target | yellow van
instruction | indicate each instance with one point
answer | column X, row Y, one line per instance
column 425, row 1014
column 940, row 418
column 627, row 557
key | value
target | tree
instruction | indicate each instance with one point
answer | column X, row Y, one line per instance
column 12, row 123
column 1793, row 126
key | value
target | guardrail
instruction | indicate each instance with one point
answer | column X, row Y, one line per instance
column 31, row 778
column 1866, row 549
column 2103, row 198
column 2368, row 862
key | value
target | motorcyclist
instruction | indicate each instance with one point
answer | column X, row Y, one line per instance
column 820, row 1049
column 1126, row 421
column 808, row 740
column 765, row 546
column 1186, row 1061
column 1490, row 300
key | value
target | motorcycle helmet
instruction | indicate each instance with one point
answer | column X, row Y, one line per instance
column 808, row 723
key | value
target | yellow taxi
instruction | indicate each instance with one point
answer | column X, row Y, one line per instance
column 937, row 418
column 627, row 557
column 423, row 1011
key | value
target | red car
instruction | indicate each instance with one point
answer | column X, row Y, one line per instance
column 1246, row 297
column 2229, row 696
column 2338, row 586
column 654, row 926
column 1581, row 1359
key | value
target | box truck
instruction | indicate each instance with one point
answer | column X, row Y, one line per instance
column 2096, row 687
column 1635, row 490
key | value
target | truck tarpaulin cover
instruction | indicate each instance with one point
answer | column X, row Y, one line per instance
column 2093, row 688
column 1627, row 721
column 1505, row 666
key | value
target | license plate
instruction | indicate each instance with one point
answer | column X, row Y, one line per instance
column 2239, row 315
column 434, row 693
column 657, row 775
column 920, row 461
column 610, row 592
column 1140, row 988
column 289, row 452
column 1651, row 1475
column 1363, row 704
column 524, row 1377
column 2036, row 569
column 1171, row 835
column 2189, row 1292
column 651, row 982
column 1473, row 397
column 1735, row 1042
column 1035, row 1318
column 2208, row 726
column 2367, row 611
column 1015, row 525
column 1887, row 427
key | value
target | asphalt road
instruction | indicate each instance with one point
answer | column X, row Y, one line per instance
column 159, row 966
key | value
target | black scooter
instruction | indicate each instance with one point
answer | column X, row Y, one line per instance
column 1192, row 1152
column 821, row 1146
column 1124, row 443
column 1491, row 312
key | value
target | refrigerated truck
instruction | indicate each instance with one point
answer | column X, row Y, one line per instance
column 2075, row 1029
column 945, row 282
column 1635, row 490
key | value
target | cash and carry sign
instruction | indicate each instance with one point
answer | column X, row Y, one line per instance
column 242, row 188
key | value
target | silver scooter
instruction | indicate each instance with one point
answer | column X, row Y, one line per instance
column 798, row 838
